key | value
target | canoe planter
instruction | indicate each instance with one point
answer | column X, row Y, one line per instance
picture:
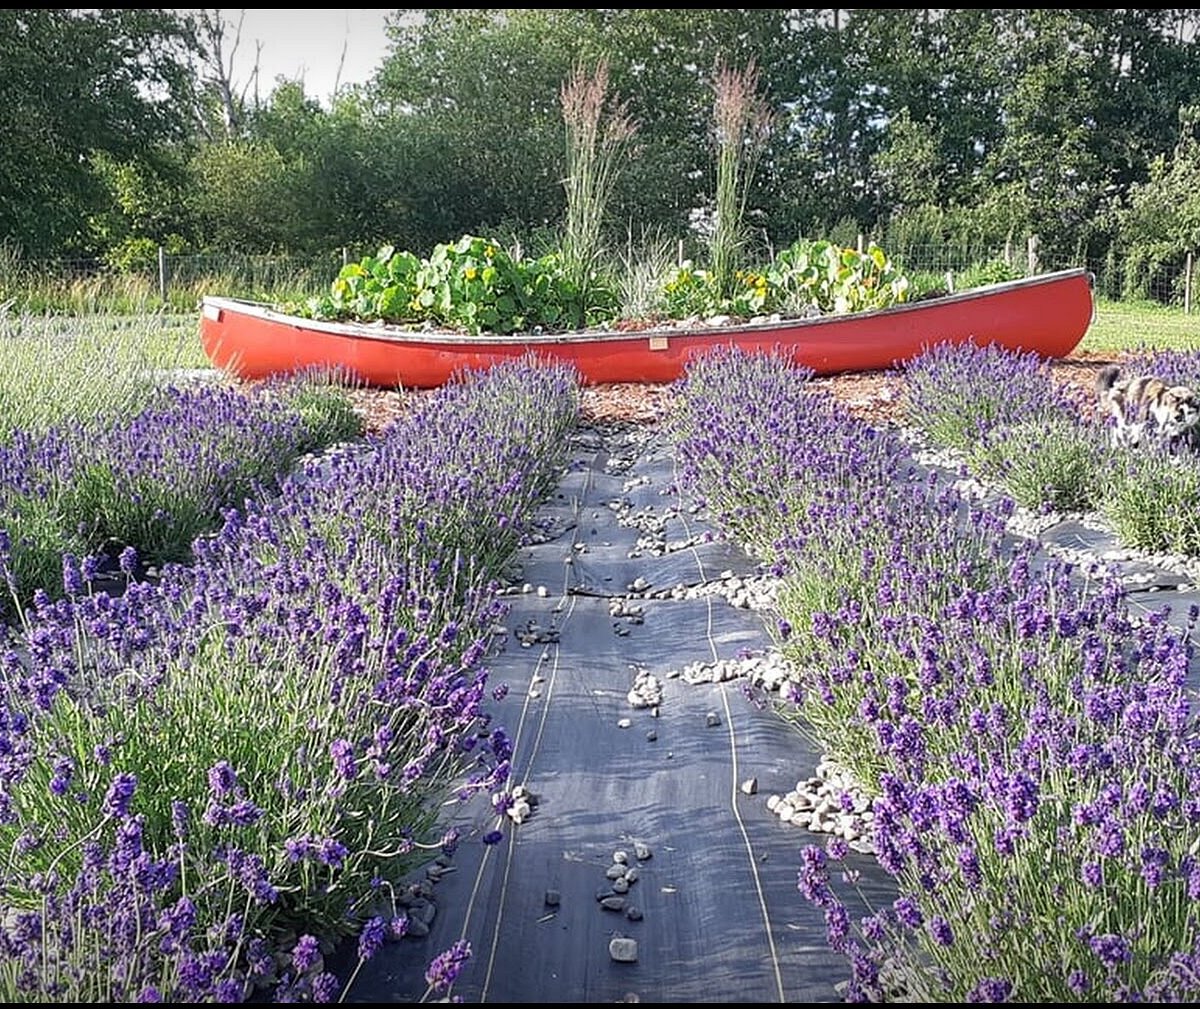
column 1046, row 315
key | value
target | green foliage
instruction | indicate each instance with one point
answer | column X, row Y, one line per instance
column 1045, row 463
column 243, row 197
column 994, row 271
column 79, row 85
column 808, row 277
column 472, row 284
column 1161, row 222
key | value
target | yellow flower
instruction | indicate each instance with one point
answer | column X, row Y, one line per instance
column 489, row 252
column 472, row 273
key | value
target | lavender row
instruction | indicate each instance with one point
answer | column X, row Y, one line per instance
column 209, row 782
column 157, row 479
column 1031, row 749
column 1051, row 449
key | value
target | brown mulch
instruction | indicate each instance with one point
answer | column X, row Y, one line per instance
column 876, row 396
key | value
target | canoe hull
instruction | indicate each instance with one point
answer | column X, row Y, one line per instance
column 1046, row 315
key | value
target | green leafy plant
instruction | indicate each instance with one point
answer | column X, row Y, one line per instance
column 473, row 284
column 808, row 277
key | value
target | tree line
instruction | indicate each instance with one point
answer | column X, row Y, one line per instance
column 126, row 132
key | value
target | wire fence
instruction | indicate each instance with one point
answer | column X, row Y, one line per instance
column 181, row 279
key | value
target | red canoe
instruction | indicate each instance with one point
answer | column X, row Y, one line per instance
column 1046, row 315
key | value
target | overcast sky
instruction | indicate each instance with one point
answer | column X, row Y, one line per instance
column 308, row 44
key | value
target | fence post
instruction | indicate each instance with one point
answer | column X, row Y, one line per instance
column 1032, row 254
column 162, row 274
column 1187, row 287
column 345, row 256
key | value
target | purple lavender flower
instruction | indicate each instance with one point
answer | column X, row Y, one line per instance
column 305, row 954
column 342, row 753
column 991, row 989
column 128, row 561
column 1112, row 950
column 222, row 779
column 940, row 929
column 119, row 795
column 908, row 911
column 1078, row 982
column 243, row 813
column 444, row 969
column 64, row 768
column 72, row 576
column 332, row 853
column 179, row 818
column 372, row 937
column 1154, row 865
column 837, row 926
column 325, row 987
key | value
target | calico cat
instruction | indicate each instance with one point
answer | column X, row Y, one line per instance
column 1144, row 407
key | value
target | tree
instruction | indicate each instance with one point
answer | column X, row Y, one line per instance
column 242, row 197
column 75, row 83
column 223, row 101
column 1160, row 225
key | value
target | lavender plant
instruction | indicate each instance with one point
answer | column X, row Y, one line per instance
column 1051, row 860
column 285, row 718
column 48, row 369
column 1175, row 367
column 957, row 394
column 1031, row 745
column 1150, row 499
column 1057, row 462
column 157, row 479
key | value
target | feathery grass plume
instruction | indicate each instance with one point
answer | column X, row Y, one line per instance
column 597, row 139
column 743, row 121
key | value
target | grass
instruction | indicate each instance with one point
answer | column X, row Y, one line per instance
column 1120, row 326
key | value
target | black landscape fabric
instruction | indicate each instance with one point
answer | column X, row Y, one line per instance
column 714, row 911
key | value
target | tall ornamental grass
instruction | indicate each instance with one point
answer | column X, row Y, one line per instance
column 1031, row 746
column 598, row 139
column 742, row 123
column 207, row 782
